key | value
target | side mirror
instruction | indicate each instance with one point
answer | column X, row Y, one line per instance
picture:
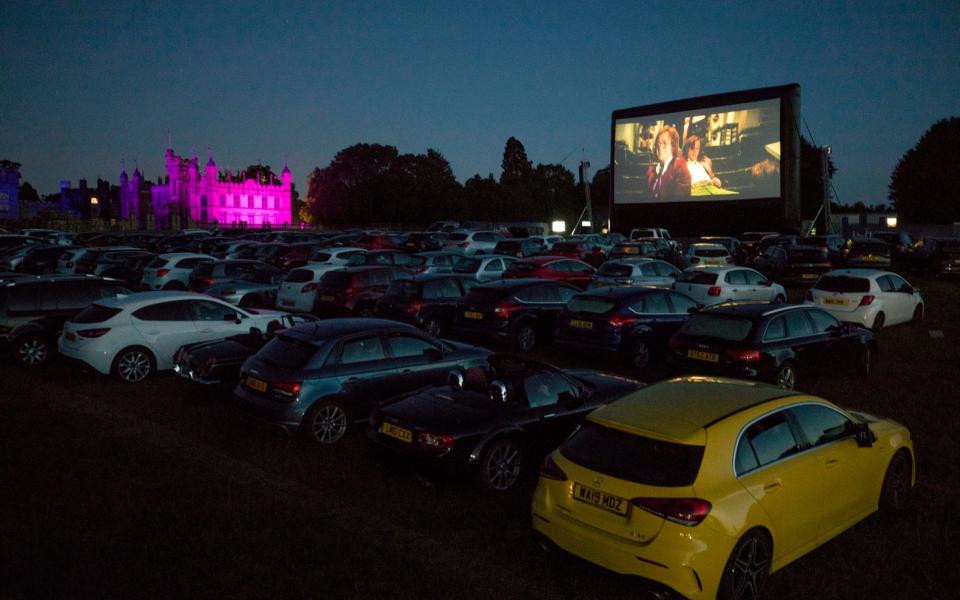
column 569, row 399
column 865, row 437
column 498, row 392
column 694, row 309
column 455, row 380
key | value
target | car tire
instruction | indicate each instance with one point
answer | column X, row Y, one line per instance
column 748, row 567
column 918, row 314
column 640, row 356
column 325, row 423
column 525, row 339
column 33, row 350
column 251, row 301
column 878, row 322
column 174, row 286
column 133, row 364
column 779, row 299
column 895, row 493
column 786, row 376
column 433, row 327
column 501, row 465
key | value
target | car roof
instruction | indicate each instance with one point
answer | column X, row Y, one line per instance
column 138, row 299
column 855, row 273
column 681, row 409
column 321, row 330
column 619, row 293
column 179, row 255
column 752, row 310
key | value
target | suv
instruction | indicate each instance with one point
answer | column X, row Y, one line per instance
column 33, row 310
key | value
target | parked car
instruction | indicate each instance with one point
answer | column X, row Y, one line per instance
column 171, row 271
column 713, row 285
column 934, row 256
column 33, row 310
column 711, row 255
column 441, row 261
column 320, row 377
column 411, row 263
column 522, row 312
column 664, row 249
column 653, row 232
column 494, row 422
column 87, row 261
column 36, row 259
column 338, row 255
column 427, row 301
column 207, row 274
column 646, row 249
column 794, row 264
column 899, row 241
column 776, row 344
column 583, row 251
column 111, row 260
column 380, row 241
column 132, row 337
column 868, row 253
column 635, row 272
column 632, row 324
column 353, row 290
column 868, row 297
column 425, row 241
column 296, row 255
column 473, row 242
column 484, row 267
column 832, row 244
column 298, row 290
column 130, row 272
column 547, row 241
column 726, row 482
column 519, row 248
column 732, row 245
column 750, row 240
column 252, row 290
column 555, row 268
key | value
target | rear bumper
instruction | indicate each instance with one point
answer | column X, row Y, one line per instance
column 100, row 359
column 283, row 415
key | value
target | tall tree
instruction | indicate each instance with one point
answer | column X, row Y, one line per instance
column 515, row 166
column 924, row 183
column 27, row 193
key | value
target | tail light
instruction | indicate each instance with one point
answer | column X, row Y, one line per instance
column 808, row 295
column 286, row 391
column 866, row 300
column 685, row 511
column 92, row 333
column 209, row 280
column 694, row 260
column 308, row 288
column 414, row 308
column 743, row 355
column 505, row 309
column 714, row 290
column 163, row 272
column 550, row 470
column 618, row 321
column 434, row 441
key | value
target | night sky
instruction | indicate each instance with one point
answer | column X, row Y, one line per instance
column 84, row 86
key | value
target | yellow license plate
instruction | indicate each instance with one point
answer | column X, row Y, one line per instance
column 471, row 314
column 836, row 301
column 581, row 324
column 614, row 504
column 809, row 275
column 256, row 384
column 71, row 336
column 404, row 435
column 327, row 298
column 707, row 356
column 712, row 263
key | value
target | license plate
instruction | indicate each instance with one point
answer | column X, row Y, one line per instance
column 581, row 324
column 404, row 435
column 288, row 302
column 809, row 276
column 835, row 301
column 614, row 504
column 712, row 263
column 326, row 298
column 256, row 384
column 707, row 356
column 472, row 314
column 71, row 336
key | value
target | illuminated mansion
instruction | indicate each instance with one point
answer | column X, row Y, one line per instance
column 203, row 196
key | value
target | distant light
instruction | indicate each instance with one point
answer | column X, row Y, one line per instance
column 558, row 226
column 585, row 223
column 94, row 202
column 891, row 221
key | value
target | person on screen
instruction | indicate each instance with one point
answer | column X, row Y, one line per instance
column 699, row 165
column 669, row 178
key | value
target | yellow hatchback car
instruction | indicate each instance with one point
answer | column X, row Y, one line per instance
column 707, row 485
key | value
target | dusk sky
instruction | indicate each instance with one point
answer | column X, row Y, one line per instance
column 85, row 85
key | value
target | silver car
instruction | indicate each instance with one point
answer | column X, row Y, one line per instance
column 632, row 272
column 471, row 243
column 484, row 268
column 440, row 261
column 171, row 271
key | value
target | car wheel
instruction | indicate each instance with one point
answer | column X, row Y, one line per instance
column 501, row 465
column 640, row 357
column 918, row 314
column 251, row 301
column 867, row 360
column 325, row 423
column 780, row 299
column 432, row 326
column 878, row 322
column 174, row 286
column 133, row 364
column 526, row 338
column 786, row 376
column 895, row 493
column 33, row 350
column 747, row 569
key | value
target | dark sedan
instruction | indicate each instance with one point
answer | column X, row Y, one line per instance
column 777, row 344
column 427, row 301
column 495, row 420
column 320, row 377
column 629, row 323
column 556, row 268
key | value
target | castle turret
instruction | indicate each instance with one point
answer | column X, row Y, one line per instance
column 286, row 177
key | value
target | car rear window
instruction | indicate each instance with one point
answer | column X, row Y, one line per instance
column 611, row 270
column 469, row 265
column 733, row 329
column 698, row 277
column 632, row 457
column 95, row 314
column 843, row 284
column 591, row 304
column 287, row 352
column 806, row 255
column 157, row 263
column 336, row 279
column 300, row 276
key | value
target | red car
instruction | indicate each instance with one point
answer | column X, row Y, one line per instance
column 588, row 253
column 557, row 268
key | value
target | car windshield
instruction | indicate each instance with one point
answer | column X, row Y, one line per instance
column 843, row 284
column 721, row 327
column 698, row 277
column 633, row 457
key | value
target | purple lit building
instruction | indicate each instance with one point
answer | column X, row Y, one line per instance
column 205, row 197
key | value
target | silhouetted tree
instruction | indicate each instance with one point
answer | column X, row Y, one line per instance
column 27, row 193
column 924, row 183
column 9, row 165
column 483, row 199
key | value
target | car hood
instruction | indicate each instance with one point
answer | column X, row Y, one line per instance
column 606, row 387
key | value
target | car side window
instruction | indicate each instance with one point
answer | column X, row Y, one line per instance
column 566, row 294
column 494, row 266
column 549, row 294
column 823, row 321
column 449, row 289
column 359, row 350
column 821, row 424
column 681, row 304
column 648, row 270
column 736, row 277
column 885, row 284
column 776, row 330
column 665, row 270
column 656, row 304
column 544, row 389
column 203, row 310
column 898, row 284
column 770, row 439
column 753, row 277
column 797, row 324
column 403, row 345
column 164, row 311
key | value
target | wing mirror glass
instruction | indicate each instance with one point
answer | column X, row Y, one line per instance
column 455, row 380
column 865, row 437
column 498, row 392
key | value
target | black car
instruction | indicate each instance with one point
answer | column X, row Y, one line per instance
column 496, row 419
column 427, row 301
column 218, row 362
column 34, row 309
column 869, row 253
column 425, row 241
column 830, row 243
column 353, row 290
column 519, row 311
column 36, row 259
column 773, row 343
column 131, row 270
column 934, row 256
column 632, row 323
column 320, row 377
column 793, row 264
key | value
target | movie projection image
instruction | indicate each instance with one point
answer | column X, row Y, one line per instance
column 720, row 153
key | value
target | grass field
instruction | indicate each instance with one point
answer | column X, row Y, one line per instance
column 158, row 490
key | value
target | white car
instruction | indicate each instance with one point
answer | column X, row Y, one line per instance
column 484, row 268
column 339, row 256
column 653, row 232
column 132, row 336
column 298, row 290
column 869, row 297
column 630, row 272
column 171, row 271
column 713, row 285
column 473, row 242
column 547, row 241
column 439, row 261
column 705, row 255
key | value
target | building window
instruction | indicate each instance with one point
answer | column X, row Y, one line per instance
column 256, row 201
column 243, row 201
column 223, row 201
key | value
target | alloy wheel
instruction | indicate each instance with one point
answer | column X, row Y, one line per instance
column 33, row 351
column 526, row 339
column 133, row 366
column 328, row 424
column 432, row 326
column 750, row 568
column 502, row 466
column 641, row 356
column 786, row 377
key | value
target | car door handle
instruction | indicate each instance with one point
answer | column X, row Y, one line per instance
column 832, row 462
column 549, row 416
column 772, row 486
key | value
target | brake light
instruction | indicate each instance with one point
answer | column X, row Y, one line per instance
column 437, row 442
column 209, row 280
column 743, row 355
column 866, row 300
column 694, row 260
column 286, row 391
column 92, row 333
column 617, row 321
column 808, row 295
column 415, row 307
column 505, row 309
column 163, row 272
column 685, row 511
column 550, row 470
column 308, row 288
column 714, row 290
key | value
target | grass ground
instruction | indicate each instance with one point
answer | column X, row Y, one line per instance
column 157, row 490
